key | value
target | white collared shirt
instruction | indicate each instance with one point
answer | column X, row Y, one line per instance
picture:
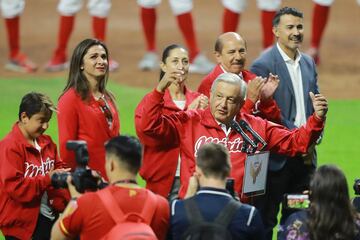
column 180, row 104
column 240, row 74
column 293, row 67
column 223, row 127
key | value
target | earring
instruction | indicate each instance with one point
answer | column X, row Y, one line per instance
column 81, row 68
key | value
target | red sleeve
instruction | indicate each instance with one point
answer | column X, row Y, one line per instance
column 72, row 220
column 67, row 126
column 139, row 113
column 21, row 189
column 247, row 75
column 160, row 223
column 270, row 111
column 248, row 107
column 58, row 198
column 156, row 128
column 205, row 85
column 291, row 142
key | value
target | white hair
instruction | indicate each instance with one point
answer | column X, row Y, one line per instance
column 232, row 79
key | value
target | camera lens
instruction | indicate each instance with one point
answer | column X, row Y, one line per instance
column 58, row 180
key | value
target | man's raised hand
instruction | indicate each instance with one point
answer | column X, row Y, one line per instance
column 320, row 105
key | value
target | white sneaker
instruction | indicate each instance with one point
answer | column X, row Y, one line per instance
column 149, row 62
column 201, row 65
column 21, row 63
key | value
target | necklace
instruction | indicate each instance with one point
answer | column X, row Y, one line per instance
column 98, row 96
column 125, row 181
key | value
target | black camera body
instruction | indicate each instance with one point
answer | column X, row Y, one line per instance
column 356, row 186
column 82, row 177
column 230, row 187
column 356, row 200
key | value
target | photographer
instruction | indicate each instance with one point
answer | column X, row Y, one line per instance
column 212, row 200
column 330, row 216
column 28, row 160
column 87, row 216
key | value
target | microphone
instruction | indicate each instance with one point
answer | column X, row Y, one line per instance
column 257, row 137
column 234, row 125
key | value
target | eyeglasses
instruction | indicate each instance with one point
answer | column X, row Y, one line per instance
column 104, row 106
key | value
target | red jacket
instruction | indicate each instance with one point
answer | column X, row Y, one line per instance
column 191, row 129
column 160, row 162
column 267, row 109
column 81, row 120
column 23, row 181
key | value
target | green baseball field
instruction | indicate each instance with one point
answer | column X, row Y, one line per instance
column 339, row 71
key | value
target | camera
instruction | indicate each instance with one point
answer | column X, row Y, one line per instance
column 356, row 186
column 230, row 187
column 356, row 200
column 296, row 201
column 82, row 177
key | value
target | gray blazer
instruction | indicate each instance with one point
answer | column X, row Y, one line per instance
column 271, row 61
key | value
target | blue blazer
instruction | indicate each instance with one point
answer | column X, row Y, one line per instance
column 271, row 61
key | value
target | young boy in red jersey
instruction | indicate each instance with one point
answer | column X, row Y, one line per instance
column 28, row 159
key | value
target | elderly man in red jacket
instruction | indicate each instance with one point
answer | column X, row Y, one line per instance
column 191, row 129
column 230, row 53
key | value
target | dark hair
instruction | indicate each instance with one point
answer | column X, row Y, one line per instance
column 331, row 214
column 33, row 103
column 286, row 11
column 127, row 150
column 166, row 54
column 218, row 45
column 76, row 78
column 213, row 160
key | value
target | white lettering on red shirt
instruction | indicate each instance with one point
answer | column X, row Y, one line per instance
column 232, row 146
column 33, row 170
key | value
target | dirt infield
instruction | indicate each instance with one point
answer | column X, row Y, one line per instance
column 339, row 72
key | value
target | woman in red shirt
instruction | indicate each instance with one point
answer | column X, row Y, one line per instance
column 87, row 110
column 161, row 164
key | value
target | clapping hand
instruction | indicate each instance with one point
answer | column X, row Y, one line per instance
column 254, row 88
column 269, row 87
column 320, row 105
column 176, row 77
column 201, row 102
